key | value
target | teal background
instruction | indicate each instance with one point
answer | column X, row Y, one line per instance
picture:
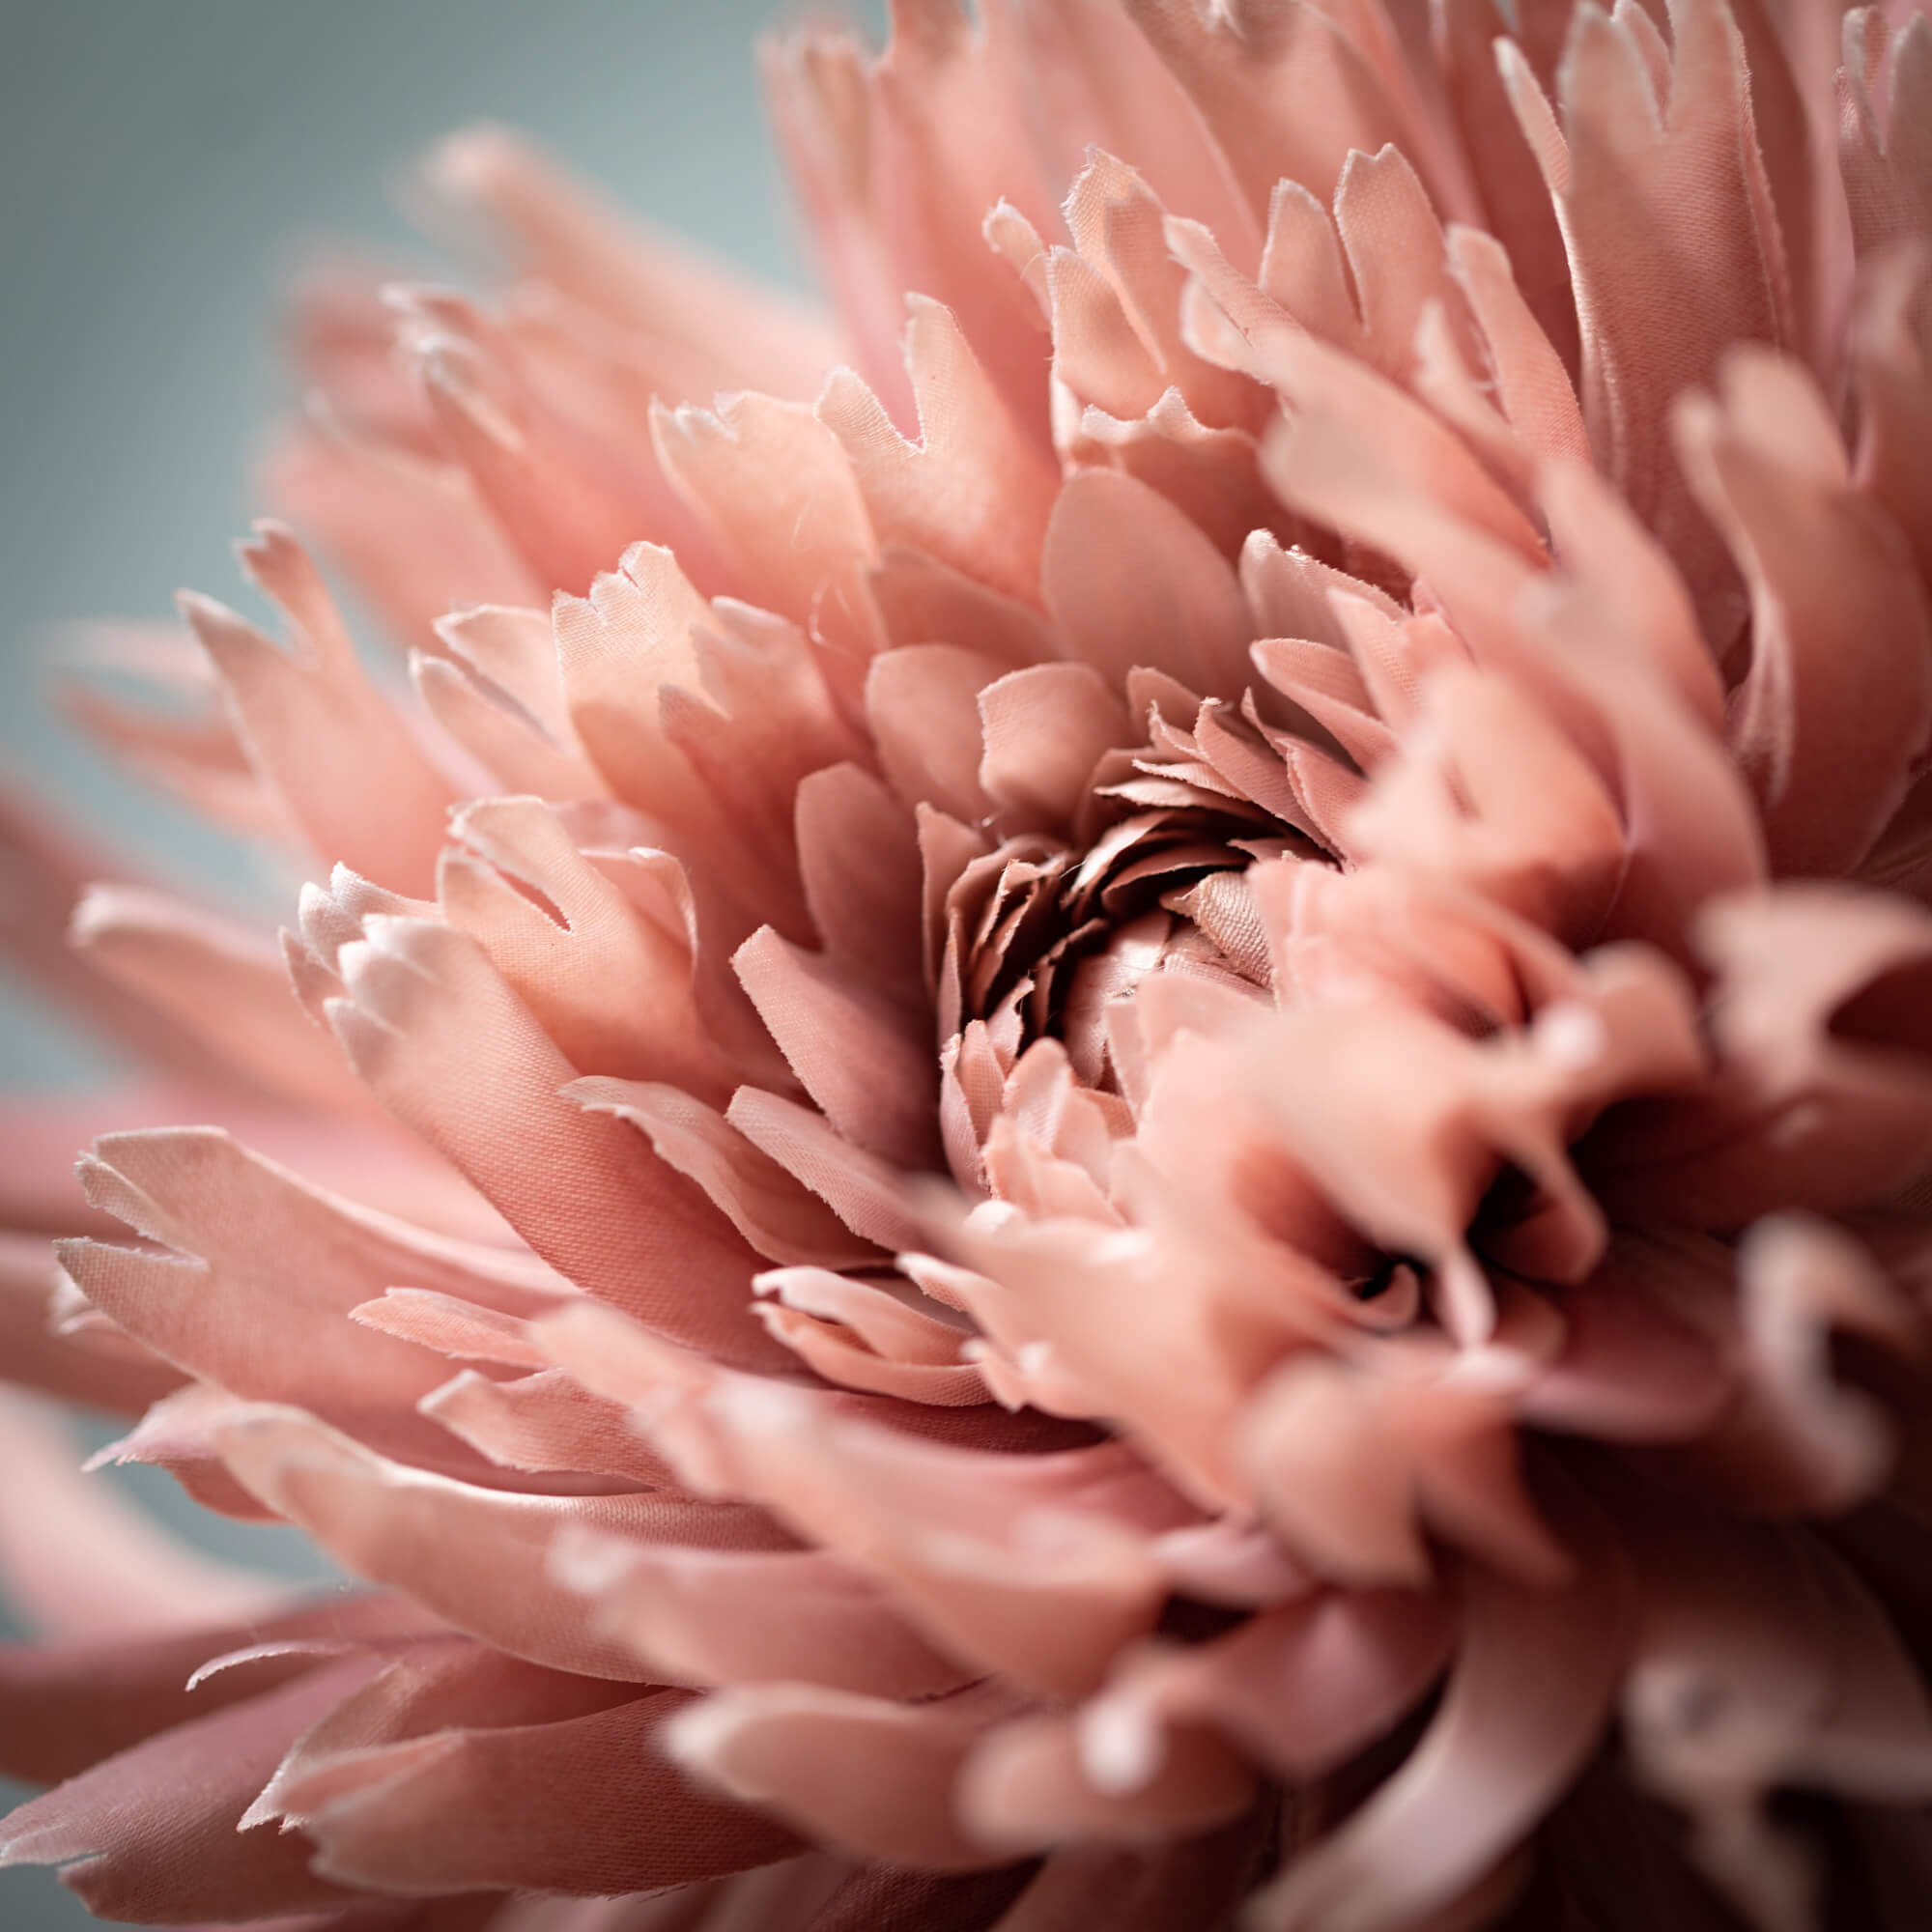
column 162, row 164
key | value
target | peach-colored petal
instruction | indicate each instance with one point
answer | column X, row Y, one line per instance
column 861, row 1336
column 454, row 1325
column 1632, row 164
column 1797, row 1439
column 45, row 1353
column 1836, row 711
column 1882, row 149
column 544, row 1421
column 865, row 1193
column 1536, row 1673
column 215, row 1293
column 1242, row 72
column 707, row 1617
column 864, row 1774
column 576, row 947
column 476, row 1556
column 923, row 599
column 859, row 1058
column 222, row 982
column 528, row 1758
column 1018, row 1537
column 69, row 1704
column 187, row 742
column 1822, row 1102
column 308, row 717
column 353, row 494
column 152, row 1834
column 1030, row 1784
column 1116, row 221
column 970, row 491
column 516, row 755
column 776, row 1216
column 1896, row 429
column 83, row 1561
column 579, row 244
column 434, row 1029
column 778, row 490
column 1301, row 1688
column 1351, row 1468
column 1044, row 729
column 1516, row 205
column 858, row 858
column 1759, row 1658
column 1130, row 582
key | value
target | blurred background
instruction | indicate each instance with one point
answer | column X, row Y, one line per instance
column 162, row 168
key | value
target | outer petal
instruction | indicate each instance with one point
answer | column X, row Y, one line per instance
column 1523, row 1709
column 154, row 1829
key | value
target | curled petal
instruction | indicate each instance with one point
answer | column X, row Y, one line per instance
column 1526, row 1696
column 1301, row 1688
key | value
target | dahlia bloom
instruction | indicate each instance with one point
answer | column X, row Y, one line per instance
column 1114, row 1110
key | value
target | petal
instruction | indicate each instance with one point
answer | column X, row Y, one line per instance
column 67, row 1705
column 449, row 1047
column 1130, row 580
column 1029, row 1785
column 549, row 1807
column 476, row 1556
column 544, row 1421
column 776, row 489
column 860, row 1774
column 973, row 491
column 1043, row 1567
column 318, row 732
column 1835, row 713
column 1044, row 729
column 83, row 1561
column 707, row 1617
column 1525, row 1705
column 1301, row 1687
column 218, row 1297
column 776, row 1215
column 864, row 1062
column 153, row 1833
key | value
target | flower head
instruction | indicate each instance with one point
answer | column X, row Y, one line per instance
column 1137, row 1131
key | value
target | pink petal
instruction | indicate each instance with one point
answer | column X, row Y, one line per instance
column 1524, row 1707
column 972, row 491
column 309, row 719
column 860, row 1774
column 863, row 1061
column 476, row 1556
column 81, row 1561
column 1029, row 1785
column 1130, row 580
column 219, row 1300
column 707, row 1617
column 154, row 1831
column 447, row 1046
column 775, row 1214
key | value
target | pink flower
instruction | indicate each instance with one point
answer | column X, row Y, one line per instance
column 1142, row 1139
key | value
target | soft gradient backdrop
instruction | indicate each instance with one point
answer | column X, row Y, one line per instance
column 162, row 162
